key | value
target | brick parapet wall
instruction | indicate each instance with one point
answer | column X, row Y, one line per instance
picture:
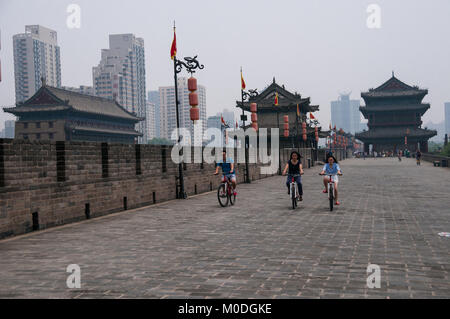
column 65, row 182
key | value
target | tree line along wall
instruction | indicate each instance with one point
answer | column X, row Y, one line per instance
column 45, row 184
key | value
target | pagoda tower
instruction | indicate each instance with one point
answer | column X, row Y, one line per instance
column 394, row 111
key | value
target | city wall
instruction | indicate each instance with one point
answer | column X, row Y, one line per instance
column 45, row 184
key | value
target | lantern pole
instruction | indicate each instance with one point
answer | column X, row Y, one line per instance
column 191, row 64
column 244, row 96
column 244, row 118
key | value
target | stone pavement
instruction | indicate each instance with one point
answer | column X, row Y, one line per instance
column 391, row 215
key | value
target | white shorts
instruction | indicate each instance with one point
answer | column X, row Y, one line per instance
column 334, row 178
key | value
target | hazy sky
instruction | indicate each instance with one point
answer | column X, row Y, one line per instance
column 316, row 47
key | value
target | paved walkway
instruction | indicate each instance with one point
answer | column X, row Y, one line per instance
column 391, row 215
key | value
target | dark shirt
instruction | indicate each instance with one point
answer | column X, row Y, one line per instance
column 294, row 169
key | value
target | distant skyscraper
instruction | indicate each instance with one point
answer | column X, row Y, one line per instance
column 83, row 89
column 36, row 56
column 345, row 114
column 228, row 117
column 214, row 122
column 153, row 97
column 9, row 129
column 150, row 120
column 168, row 113
column 447, row 118
column 120, row 75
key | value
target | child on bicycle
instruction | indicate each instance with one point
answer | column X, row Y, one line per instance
column 227, row 165
column 331, row 168
column 295, row 168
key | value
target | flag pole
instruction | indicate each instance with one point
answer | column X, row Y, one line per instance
column 181, row 194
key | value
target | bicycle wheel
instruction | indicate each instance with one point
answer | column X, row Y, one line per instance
column 331, row 197
column 222, row 195
column 231, row 195
column 293, row 196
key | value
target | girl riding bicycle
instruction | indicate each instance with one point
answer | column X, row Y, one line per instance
column 331, row 168
column 295, row 170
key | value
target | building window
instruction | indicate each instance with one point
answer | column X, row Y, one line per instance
column 25, row 125
column 38, row 136
column 38, row 124
column 50, row 124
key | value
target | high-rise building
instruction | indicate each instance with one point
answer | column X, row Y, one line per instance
column 36, row 56
column 120, row 75
column 153, row 97
column 83, row 89
column 168, row 109
column 9, row 128
column 228, row 117
column 214, row 122
column 150, row 121
column 447, row 118
column 345, row 114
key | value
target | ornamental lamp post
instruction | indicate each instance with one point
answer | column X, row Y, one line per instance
column 190, row 64
column 254, row 119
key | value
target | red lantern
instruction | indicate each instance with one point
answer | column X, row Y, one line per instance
column 286, row 119
column 304, row 137
column 193, row 99
column 192, row 84
column 254, row 117
column 303, row 125
column 286, row 133
column 255, row 126
column 406, row 140
column 253, row 107
column 286, row 126
column 195, row 113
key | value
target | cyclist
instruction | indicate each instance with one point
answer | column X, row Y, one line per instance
column 294, row 165
column 418, row 155
column 331, row 168
column 227, row 165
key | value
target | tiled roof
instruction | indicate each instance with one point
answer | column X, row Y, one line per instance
column 91, row 104
column 49, row 98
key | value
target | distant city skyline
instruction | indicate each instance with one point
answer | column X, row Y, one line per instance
column 359, row 60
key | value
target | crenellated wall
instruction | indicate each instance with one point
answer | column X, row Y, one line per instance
column 44, row 184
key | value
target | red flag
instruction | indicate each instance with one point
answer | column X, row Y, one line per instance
column 276, row 99
column 298, row 111
column 173, row 49
column 222, row 120
column 242, row 81
column 311, row 116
